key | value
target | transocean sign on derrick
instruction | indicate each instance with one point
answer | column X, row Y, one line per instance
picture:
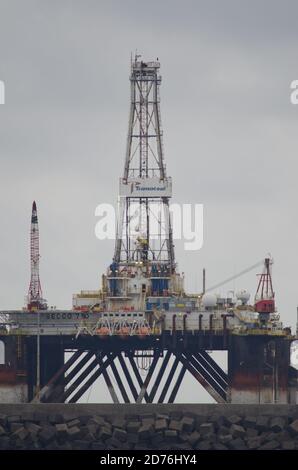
column 149, row 187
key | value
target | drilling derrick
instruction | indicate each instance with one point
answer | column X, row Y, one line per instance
column 34, row 298
column 144, row 243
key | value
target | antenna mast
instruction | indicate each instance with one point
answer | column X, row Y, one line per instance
column 34, row 299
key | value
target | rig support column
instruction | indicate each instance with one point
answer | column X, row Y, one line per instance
column 259, row 368
column 13, row 374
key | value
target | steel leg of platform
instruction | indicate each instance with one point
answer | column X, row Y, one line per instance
column 92, row 379
column 168, row 381
column 79, row 380
column 108, row 381
column 177, row 385
column 128, row 376
column 209, row 377
column 78, row 367
column 214, row 365
column 210, row 370
column 119, row 383
column 159, row 376
column 217, row 397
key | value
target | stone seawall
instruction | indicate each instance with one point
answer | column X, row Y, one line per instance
column 156, row 427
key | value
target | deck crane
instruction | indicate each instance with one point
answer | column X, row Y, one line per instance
column 264, row 298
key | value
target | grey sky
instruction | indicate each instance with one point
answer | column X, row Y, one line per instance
column 230, row 134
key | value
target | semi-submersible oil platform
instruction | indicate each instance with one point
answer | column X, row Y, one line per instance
column 141, row 332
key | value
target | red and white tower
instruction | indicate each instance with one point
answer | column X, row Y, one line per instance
column 34, row 299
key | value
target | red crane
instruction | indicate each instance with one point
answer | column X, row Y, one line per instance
column 34, row 299
column 264, row 298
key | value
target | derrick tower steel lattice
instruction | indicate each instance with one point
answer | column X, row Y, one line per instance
column 145, row 189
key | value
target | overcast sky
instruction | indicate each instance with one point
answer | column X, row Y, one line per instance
column 230, row 134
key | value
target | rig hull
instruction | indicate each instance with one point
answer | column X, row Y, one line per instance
column 259, row 369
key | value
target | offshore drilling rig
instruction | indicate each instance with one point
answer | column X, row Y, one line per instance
column 141, row 331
